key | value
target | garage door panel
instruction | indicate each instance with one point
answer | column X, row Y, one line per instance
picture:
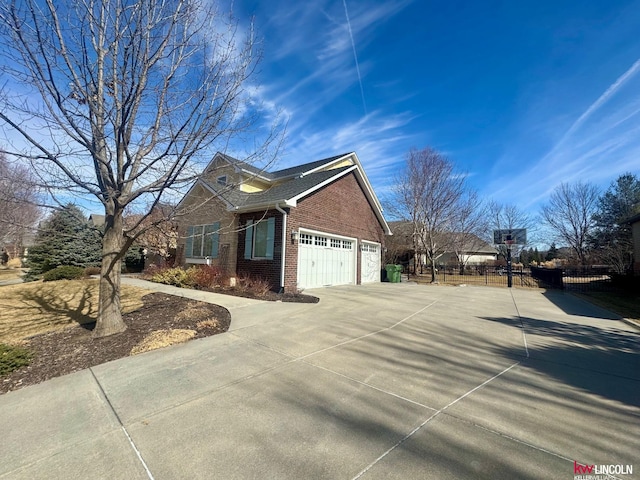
column 370, row 262
column 325, row 260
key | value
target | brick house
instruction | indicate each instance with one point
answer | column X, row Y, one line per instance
column 308, row 226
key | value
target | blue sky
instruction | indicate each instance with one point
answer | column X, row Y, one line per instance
column 521, row 95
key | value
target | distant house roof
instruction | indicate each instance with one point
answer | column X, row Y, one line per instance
column 97, row 220
column 285, row 187
column 467, row 242
column 634, row 219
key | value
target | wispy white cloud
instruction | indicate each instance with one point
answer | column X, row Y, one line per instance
column 355, row 55
column 602, row 143
column 603, row 99
column 324, row 60
column 377, row 139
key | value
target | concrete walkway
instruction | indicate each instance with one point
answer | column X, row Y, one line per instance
column 378, row 381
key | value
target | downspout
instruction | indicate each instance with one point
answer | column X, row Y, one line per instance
column 284, row 243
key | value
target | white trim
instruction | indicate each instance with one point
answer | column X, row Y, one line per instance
column 322, row 184
column 284, row 243
column 198, row 261
column 325, row 165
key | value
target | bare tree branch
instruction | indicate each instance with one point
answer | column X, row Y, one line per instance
column 122, row 100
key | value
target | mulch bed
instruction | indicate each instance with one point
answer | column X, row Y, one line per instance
column 73, row 349
column 269, row 296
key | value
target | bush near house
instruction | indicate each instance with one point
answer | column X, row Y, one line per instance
column 64, row 272
column 208, row 277
column 13, row 357
column 178, row 277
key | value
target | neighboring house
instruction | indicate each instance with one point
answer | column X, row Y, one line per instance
column 635, row 232
column 454, row 247
column 97, row 220
column 312, row 225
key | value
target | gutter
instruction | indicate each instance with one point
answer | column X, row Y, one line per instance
column 284, row 243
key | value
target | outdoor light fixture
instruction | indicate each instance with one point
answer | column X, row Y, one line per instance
column 294, row 236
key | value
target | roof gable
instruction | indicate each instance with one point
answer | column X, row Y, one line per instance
column 285, row 187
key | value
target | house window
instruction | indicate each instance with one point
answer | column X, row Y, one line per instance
column 321, row 241
column 306, row 239
column 335, row 243
column 222, row 180
column 202, row 241
column 347, row 245
column 259, row 239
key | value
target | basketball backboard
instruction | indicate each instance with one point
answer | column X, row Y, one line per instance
column 510, row 236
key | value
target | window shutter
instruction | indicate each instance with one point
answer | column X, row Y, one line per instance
column 215, row 240
column 248, row 240
column 271, row 228
column 211, row 240
column 189, row 245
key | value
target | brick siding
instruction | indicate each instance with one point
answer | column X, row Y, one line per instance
column 340, row 208
column 262, row 268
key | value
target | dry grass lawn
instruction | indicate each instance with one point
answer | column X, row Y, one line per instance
column 37, row 307
column 624, row 304
column 10, row 273
column 163, row 338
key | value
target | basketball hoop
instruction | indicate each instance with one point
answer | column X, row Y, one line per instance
column 509, row 243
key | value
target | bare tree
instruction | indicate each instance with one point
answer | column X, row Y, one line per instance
column 19, row 210
column 569, row 213
column 468, row 228
column 121, row 99
column 428, row 194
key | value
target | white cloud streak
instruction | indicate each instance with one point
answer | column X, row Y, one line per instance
column 602, row 143
column 355, row 56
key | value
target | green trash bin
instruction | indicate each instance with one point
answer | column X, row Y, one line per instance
column 393, row 273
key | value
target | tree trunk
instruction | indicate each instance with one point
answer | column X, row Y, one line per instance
column 109, row 314
column 434, row 278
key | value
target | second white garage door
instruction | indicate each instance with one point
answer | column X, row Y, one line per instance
column 325, row 260
column 370, row 262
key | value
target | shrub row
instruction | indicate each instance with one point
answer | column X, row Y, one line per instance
column 206, row 277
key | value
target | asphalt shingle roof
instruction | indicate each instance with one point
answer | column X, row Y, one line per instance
column 285, row 172
column 282, row 191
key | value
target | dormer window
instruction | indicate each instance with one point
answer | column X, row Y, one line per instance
column 222, row 180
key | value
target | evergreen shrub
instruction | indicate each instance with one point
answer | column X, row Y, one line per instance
column 12, row 358
column 64, row 272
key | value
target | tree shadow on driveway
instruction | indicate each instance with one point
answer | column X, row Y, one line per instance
column 602, row 361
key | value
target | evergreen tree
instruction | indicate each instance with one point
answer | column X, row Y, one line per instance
column 65, row 238
column 536, row 256
column 612, row 235
column 553, row 253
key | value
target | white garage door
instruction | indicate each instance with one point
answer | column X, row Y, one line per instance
column 370, row 262
column 325, row 260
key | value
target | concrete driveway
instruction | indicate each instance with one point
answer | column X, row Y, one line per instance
column 377, row 381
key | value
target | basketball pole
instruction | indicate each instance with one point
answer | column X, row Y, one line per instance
column 509, row 271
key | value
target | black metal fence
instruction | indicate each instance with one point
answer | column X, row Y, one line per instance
column 580, row 279
column 480, row 275
column 591, row 279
